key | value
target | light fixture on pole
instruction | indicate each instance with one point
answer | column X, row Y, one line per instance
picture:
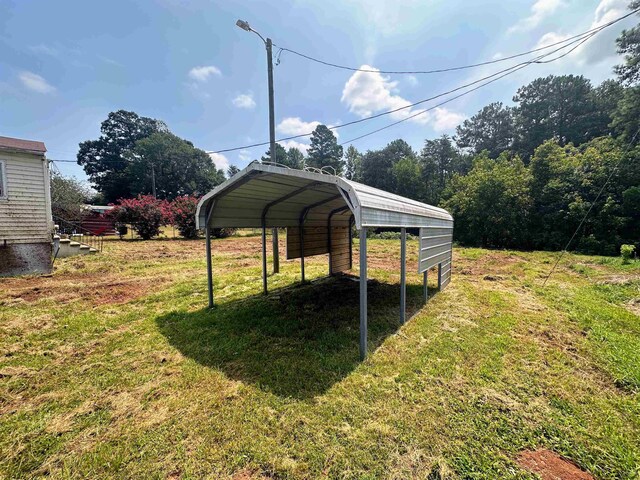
column 272, row 124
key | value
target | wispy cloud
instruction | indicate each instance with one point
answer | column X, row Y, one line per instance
column 203, row 73
column 244, row 100
column 369, row 93
column 219, row 160
column 540, row 10
column 45, row 50
column 244, row 155
column 601, row 46
column 35, row 83
column 296, row 126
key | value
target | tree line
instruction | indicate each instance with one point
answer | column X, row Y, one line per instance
column 513, row 176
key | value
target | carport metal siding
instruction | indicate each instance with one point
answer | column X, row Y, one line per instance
column 265, row 196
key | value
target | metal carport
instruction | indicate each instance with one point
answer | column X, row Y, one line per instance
column 318, row 210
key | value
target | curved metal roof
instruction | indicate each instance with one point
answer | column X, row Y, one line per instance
column 285, row 197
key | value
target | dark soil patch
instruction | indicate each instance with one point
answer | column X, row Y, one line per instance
column 551, row 466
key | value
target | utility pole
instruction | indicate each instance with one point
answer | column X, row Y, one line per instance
column 272, row 126
column 272, row 139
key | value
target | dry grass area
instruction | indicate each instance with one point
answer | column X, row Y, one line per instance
column 112, row 367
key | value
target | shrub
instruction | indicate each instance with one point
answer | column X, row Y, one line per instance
column 146, row 214
column 222, row 232
column 627, row 252
column 183, row 215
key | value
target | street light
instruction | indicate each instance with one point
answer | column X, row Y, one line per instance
column 272, row 128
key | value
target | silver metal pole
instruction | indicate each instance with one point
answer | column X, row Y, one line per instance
column 276, row 253
column 403, row 274
column 264, row 259
column 302, row 251
column 439, row 276
column 209, row 268
column 363, row 293
column 425, row 291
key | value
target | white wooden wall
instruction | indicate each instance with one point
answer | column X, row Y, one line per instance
column 25, row 215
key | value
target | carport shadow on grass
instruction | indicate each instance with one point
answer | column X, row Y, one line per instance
column 296, row 341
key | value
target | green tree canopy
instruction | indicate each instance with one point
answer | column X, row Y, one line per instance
column 232, row 170
column 179, row 168
column 353, row 161
column 629, row 45
column 68, row 196
column 324, row 150
column 281, row 155
column 295, row 158
column 559, row 107
column 105, row 160
column 440, row 161
column 490, row 129
column 377, row 165
column 491, row 204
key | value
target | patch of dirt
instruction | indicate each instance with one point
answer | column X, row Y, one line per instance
column 633, row 306
column 249, row 474
column 551, row 466
column 96, row 289
column 619, row 280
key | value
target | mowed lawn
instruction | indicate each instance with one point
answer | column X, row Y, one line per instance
column 113, row 367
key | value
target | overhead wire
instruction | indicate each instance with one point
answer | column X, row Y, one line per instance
column 447, row 69
column 579, row 40
column 519, row 67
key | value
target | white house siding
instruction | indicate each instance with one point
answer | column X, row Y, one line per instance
column 25, row 215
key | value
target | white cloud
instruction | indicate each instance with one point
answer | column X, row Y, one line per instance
column 540, row 10
column 367, row 94
column 550, row 38
column 36, row 83
column 444, row 119
column 601, row 46
column 296, row 126
column 244, row 100
column 219, row 160
column 202, row 74
column 303, row 147
column 244, row 155
column 412, row 80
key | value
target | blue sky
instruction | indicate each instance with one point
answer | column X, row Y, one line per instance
column 65, row 65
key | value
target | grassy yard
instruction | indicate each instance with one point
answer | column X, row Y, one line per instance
column 113, row 368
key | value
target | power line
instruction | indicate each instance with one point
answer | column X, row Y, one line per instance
column 519, row 67
column 449, row 69
column 582, row 38
column 615, row 168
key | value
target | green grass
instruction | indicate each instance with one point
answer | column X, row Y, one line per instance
column 114, row 368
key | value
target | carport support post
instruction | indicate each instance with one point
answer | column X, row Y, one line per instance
column 264, row 259
column 425, row 292
column 403, row 274
column 302, row 250
column 363, row 293
column 439, row 276
column 276, row 253
column 209, row 269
